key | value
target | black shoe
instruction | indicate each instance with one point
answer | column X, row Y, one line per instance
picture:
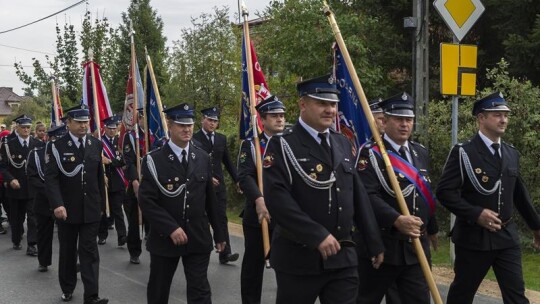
column 96, row 300
column 17, row 246
column 67, row 296
column 134, row 260
column 231, row 257
column 31, row 250
column 111, row 227
column 42, row 268
column 122, row 241
column 102, row 241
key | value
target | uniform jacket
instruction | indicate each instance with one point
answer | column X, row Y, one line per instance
column 247, row 177
column 218, row 154
column 13, row 162
column 166, row 214
column 305, row 216
column 83, row 195
column 35, row 170
column 130, row 157
column 456, row 192
column 399, row 251
column 115, row 181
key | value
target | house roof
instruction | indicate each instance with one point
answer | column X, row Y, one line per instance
column 6, row 96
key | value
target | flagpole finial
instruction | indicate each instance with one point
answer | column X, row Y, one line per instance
column 245, row 11
column 90, row 54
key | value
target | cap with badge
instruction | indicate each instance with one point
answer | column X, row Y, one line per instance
column 374, row 105
column 401, row 105
column 212, row 113
column 112, row 122
column 492, row 103
column 270, row 105
column 181, row 114
column 320, row 88
column 57, row 131
column 23, row 120
column 79, row 113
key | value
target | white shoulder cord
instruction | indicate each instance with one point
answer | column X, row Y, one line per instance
column 38, row 165
column 406, row 192
column 152, row 168
column 59, row 163
column 472, row 177
column 14, row 164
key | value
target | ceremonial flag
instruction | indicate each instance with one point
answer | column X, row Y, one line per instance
column 352, row 119
column 153, row 114
column 102, row 101
column 128, row 117
column 261, row 92
column 56, row 110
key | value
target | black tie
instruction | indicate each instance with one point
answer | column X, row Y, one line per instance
column 403, row 153
column 496, row 147
column 24, row 144
column 81, row 146
column 184, row 159
column 324, row 144
column 210, row 139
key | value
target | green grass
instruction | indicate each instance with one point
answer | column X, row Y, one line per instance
column 531, row 264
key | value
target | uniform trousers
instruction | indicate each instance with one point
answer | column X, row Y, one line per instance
column 471, row 266
column 162, row 271
column 21, row 209
column 131, row 206
column 253, row 263
column 116, row 199
column 45, row 233
column 4, row 200
column 84, row 235
column 331, row 287
column 222, row 204
column 374, row 283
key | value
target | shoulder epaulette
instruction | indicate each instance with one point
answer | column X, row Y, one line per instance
column 418, row 144
column 287, row 132
column 509, row 145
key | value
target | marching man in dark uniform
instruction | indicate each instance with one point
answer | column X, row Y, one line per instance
column 75, row 185
column 131, row 203
column 13, row 157
column 411, row 162
column 481, row 185
column 35, row 170
column 116, row 182
column 215, row 144
column 315, row 197
column 272, row 113
column 177, row 197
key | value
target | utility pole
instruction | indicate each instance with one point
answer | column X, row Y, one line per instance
column 420, row 61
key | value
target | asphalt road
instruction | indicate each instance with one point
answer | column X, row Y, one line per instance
column 122, row 282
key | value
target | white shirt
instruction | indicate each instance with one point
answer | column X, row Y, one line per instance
column 76, row 139
column 178, row 151
column 396, row 147
column 314, row 133
column 22, row 140
column 489, row 142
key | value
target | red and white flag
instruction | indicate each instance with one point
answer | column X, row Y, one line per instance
column 100, row 102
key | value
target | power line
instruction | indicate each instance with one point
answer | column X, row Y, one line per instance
column 33, row 51
column 61, row 11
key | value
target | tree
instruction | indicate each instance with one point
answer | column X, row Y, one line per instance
column 148, row 28
column 205, row 64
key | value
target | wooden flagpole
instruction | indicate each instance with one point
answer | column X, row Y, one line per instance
column 253, row 111
column 375, row 131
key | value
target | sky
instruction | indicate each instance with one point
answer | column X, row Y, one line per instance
column 39, row 39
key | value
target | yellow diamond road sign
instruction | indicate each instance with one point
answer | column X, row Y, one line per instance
column 459, row 15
